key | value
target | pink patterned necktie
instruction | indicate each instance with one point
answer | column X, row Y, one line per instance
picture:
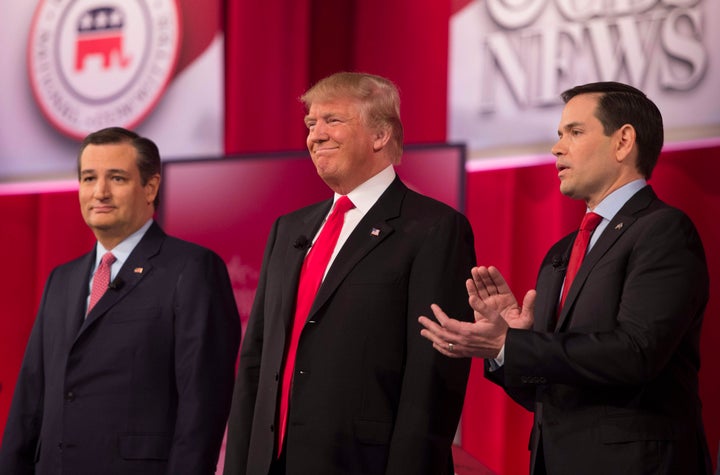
column 101, row 279
column 311, row 276
column 589, row 223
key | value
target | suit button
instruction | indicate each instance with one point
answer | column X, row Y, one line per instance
column 277, row 376
column 272, row 428
column 69, row 396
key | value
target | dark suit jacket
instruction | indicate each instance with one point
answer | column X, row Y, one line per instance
column 370, row 395
column 144, row 384
column 615, row 387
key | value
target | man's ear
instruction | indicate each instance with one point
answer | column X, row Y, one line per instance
column 152, row 187
column 625, row 142
column 381, row 138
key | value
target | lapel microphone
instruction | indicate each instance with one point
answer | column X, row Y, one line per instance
column 116, row 284
column 559, row 263
column 302, row 243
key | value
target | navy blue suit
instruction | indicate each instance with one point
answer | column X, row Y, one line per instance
column 143, row 385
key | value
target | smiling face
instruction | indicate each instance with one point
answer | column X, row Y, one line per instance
column 590, row 164
column 345, row 151
column 113, row 200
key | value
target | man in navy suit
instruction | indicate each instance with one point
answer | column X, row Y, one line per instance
column 366, row 394
column 139, row 381
column 611, row 374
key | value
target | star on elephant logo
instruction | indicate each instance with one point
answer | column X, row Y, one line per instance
column 95, row 63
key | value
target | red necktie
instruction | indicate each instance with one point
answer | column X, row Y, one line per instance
column 589, row 223
column 311, row 276
column 101, row 279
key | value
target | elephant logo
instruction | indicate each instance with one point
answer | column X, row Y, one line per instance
column 100, row 32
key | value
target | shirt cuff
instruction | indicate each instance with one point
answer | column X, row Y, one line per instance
column 498, row 361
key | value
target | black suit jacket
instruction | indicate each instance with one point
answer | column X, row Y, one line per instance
column 369, row 395
column 144, row 384
column 615, row 386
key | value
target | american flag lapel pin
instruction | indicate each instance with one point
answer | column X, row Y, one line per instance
column 138, row 270
column 375, row 232
column 618, row 226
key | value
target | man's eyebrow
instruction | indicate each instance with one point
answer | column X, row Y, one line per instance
column 115, row 171
column 570, row 125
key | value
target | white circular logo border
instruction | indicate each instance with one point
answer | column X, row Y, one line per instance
column 76, row 111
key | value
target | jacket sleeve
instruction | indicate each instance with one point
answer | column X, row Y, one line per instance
column 639, row 307
column 207, row 335
column 246, row 385
column 433, row 386
column 22, row 430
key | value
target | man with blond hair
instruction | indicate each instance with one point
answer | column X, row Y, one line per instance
column 334, row 377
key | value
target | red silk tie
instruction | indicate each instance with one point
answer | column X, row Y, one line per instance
column 311, row 275
column 589, row 223
column 101, row 279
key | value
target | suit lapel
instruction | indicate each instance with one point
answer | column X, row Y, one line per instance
column 620, row 223
column 551, row 280
column 135, row 268
column 77, row 287
column 370, row 232
column 307, row 228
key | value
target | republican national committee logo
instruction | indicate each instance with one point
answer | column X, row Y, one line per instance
column 101, row 63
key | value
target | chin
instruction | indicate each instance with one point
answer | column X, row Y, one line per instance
column 100, row 226
column 567, row 191
column 326, row 175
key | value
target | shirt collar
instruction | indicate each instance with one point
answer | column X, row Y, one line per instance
column 612, row 203
column 122, row 251
column 365, row 195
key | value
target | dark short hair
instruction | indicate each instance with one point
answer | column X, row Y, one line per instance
column 620, row 104
column 378, row 97
column 148, row 155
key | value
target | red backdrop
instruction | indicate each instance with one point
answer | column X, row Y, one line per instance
column 276, row 49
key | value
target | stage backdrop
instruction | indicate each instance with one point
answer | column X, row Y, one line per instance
column 274, row 50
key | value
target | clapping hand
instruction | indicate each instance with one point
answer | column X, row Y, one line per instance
column 495, row 309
